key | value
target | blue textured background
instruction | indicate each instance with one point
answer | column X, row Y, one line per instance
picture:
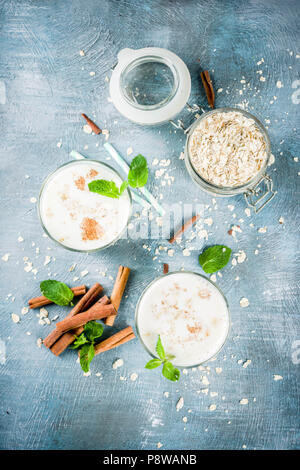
column 45, row 84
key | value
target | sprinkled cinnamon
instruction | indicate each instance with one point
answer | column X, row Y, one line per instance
column 91, row 230
column 80, row 183
column 92, row 173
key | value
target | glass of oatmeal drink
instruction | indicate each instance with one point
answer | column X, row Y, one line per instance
column 77, row 218
column 189, row 313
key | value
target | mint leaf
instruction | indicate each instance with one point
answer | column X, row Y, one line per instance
column 105, row 188
column 169, row 357
column 57, row 292
column 87, row 352
column 138, row 173
column 93, row 330
column 79, row 341
column 159, row 349
column 124, row 186
column 214, row 258
column 153, row 364
column 170, row 372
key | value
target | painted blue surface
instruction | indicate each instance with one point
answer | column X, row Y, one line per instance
column 45, row 84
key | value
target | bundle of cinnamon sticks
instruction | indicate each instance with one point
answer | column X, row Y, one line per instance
column 88, row 308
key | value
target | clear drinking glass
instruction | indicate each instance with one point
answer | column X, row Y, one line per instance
column 137, row 311
column 48, row 179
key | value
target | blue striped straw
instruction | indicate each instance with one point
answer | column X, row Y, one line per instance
column 121, row 162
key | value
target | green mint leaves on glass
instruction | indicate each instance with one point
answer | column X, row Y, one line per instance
column 168, row 370
column 57, row 292
column 214, row 258
column 86, row 341
column 137, row 177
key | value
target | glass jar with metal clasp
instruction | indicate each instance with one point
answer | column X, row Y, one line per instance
column 151, row 86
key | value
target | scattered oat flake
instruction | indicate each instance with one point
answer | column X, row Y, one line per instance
column 248, row 212
column 159, row 445
column 171, row 253
column 47, row 260
column 213, row 278
column 87, row 129
column 179, row 404
column 279, row 84
column 118, row 363
column 277, row 377
column 205, row 380
column 184, row 419
column 281, row 220
column 262, row 230
column 212, row 407
column 84, row 273
column 244, row 401
column 81, row 52
column 92, row 74
column 209, row 221
column 133, row 377
column 5, row 257
column 186, row 252
column 39, row 342
column 20, row 239
column 15, row 318
column 219, row 370
column 246, row 363
column 24, row 310
column 241, row 256
column 244, row 302
column 129, row 151
column 33, row 200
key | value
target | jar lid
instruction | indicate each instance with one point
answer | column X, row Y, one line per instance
column 149, row 86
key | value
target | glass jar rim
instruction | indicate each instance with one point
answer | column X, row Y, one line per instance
column 44, row 184
column 227, row 190
column 146, row 59
column 157, row 279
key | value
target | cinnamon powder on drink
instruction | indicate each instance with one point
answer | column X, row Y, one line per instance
column 91, row 230
column 80, row 183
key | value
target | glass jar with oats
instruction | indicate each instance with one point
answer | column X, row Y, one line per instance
column 227, row 152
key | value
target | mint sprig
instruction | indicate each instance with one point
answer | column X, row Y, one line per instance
column 168, row 370
column 137, row 177
column 57, row 292
column 214, row 258
column 138, row 173
column 86, row 341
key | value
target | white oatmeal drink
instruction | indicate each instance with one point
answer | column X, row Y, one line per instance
column 76, row 217
column 188, row 312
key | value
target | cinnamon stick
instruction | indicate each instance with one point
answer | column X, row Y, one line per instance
column 42, row 300
column 208, row 86
column 67, row 338
column 115, row 340
column 185, row 226
column 93, row 126
column 96, row 312
column 82, row 305
column 166, row 268
column 117, row 292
